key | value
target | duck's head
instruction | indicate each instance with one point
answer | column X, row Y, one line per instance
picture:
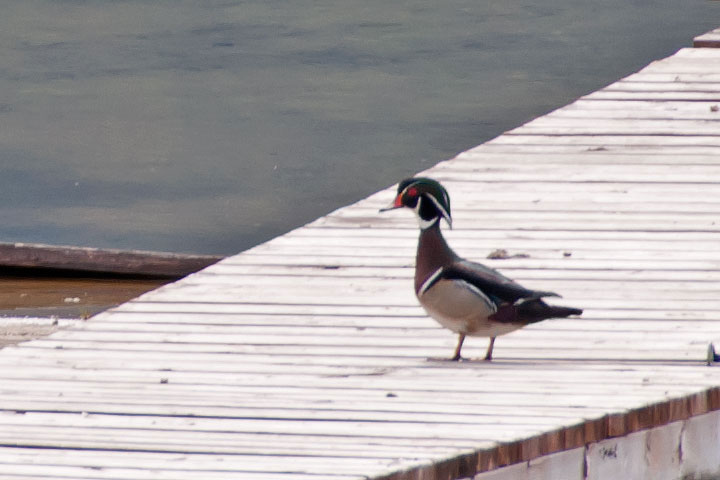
column 426, row 197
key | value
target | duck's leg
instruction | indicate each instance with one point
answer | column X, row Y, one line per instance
column 457, row 357
column 488, row 355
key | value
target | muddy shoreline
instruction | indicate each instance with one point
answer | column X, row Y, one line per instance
column 33, row 307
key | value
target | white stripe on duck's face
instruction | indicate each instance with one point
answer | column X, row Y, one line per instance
column 425, row 223
column 461, row 307
column 443, row 213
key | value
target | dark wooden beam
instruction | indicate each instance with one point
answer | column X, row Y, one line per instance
column 710, row 39
column 14, row 257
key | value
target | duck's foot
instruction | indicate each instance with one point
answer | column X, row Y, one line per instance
column 446, row 359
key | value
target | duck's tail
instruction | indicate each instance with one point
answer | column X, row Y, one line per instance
column 532, row 311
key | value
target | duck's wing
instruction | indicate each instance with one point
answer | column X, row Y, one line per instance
column 492, row 283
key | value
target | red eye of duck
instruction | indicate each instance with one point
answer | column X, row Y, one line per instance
column 412, row 192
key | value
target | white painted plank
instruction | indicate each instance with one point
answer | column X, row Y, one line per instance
column 341, row 408
column 637, row 85
column 640, row 108
column 702, row 77
column 403, row 257
column 602, row 148
column 678, row 175
column 184, row 403
column 182, row 466
column 176, row 398
column 525, row 260
column 236, row 273
column 711, row 141
column 704, row 55
column 594, row 126
column 398, row 328
column 269, row 467
column 632, row 95
column 695, row 352
column 353, row 282
column 392, row 238
column 202, row 435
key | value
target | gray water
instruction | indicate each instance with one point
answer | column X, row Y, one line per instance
column 210, row 126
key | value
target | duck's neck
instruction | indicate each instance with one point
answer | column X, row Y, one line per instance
column 433, row 252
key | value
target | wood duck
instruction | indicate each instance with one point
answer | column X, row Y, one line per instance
column 465, row 297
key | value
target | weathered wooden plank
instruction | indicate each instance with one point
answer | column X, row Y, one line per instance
column 357, row 405
column 412, row 402
column 381, row 235
column 336, row 310
column 361, row 280
column 242, row 402
column 278, row 446
column 687, row 60
column 632, row 95
column 106, row 261
column 332, row 257
column 241, row 465
column 197, row 465
column 244, row 275
column 594, row 126
column 402, row 254
column 81, row 464
column 179, row 383
column 695, row 353
column 693, row 54
column 591, row 173
column 638, row 85
column 207, row 430
column 621, row 148
column 184, row 443
column 638, row 302
column 657, row 347
column 527, row 259
column 508, row 350
column 14, row 471
column 423, row 408
column 526, row 237
column 643, row 76
column 162, row 360
column 668, row 110
column 413, row 405
column 580, row 221
column 665, row 141
column 479, row 157
column 77, row 401
column 398, row 327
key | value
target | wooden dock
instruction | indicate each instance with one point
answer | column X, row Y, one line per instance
column 306, row 358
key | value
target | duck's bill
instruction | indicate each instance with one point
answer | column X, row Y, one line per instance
column 397, row 203
column 387, row 209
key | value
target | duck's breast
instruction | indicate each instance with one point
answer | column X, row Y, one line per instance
column 457, row 305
